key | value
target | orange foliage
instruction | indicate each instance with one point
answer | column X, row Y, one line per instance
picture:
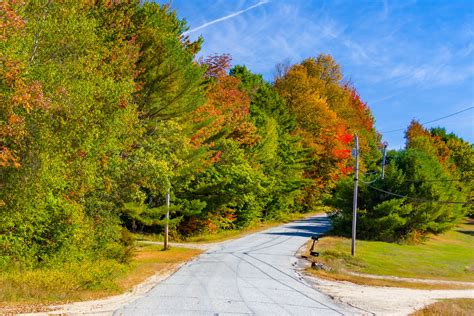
column 416, row 133
column 10, row 20
column 415, row 129
column 320, row 126
column 21, row 96
column 362, row 117
column 7, row 159
column 227, row 110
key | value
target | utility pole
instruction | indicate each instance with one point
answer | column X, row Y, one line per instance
column 356, row 180
column 167, row 218
column 383, row 158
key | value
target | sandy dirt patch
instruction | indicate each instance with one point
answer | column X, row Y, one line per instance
column 384, row 300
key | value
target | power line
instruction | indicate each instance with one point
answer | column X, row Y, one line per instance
column 435, row 120
column 370, row 182
column 438, row 180
column 420, row 180
column 418, row 199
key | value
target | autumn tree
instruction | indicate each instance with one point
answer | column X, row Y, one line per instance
column 280, row 151
column 229, row 183
column 328, row 113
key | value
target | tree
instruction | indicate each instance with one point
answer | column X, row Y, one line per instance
column 327, row 113
column 409, row 202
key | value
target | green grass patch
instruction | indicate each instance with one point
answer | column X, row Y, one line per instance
column 449, row 256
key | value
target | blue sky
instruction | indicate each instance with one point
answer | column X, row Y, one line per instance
column 408, row 59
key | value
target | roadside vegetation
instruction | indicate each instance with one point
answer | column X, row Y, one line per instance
column 427, row 189
column 34, row 290
column 448, row 256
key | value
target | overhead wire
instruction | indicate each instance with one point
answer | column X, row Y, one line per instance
column 368, row 183
column 438, row 180
column 432, row 121
column 418, row 199
column 422, row 180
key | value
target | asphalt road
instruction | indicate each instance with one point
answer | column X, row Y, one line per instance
column 252, row 275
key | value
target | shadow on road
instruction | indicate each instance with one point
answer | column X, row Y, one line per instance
column 305, row 227
column 467, row 232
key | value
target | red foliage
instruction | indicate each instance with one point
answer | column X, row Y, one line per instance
column 346, row 138
column 364, row 117
column 216, row 157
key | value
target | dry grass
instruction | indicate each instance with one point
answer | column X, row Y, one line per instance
column 454, row 307
column 338, row 276
column 150, row 260
column 33, row 291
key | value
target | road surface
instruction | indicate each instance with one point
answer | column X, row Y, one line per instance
column 252, row 275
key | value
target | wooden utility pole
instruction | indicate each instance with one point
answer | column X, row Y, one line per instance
column 384, row 158
column 356, row 182
column 167, row 218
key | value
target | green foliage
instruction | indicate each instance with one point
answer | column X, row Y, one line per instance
column 94, row 84
column 383, row 216
column 232, row 189
column 279, row 151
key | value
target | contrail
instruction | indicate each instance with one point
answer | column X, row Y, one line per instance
column 225, row 17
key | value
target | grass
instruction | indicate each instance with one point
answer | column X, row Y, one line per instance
column 150, row 260
column 28, row 291
column 449, row 256
column 455, row 307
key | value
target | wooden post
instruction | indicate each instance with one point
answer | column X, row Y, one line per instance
column 167, row 219
column 356, row 182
